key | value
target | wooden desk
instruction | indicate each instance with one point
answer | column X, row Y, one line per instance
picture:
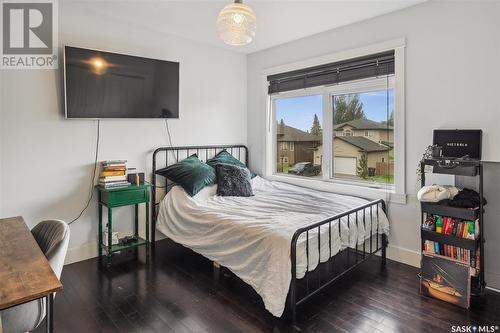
column 25, row 272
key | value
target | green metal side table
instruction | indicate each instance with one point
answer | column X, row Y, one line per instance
column 119, row 197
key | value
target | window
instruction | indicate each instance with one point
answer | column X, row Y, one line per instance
column 368, row 108
column 355, row 109
column 362, row 144
column 298, row 125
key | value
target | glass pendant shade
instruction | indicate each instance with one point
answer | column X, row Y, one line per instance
column 236, row 24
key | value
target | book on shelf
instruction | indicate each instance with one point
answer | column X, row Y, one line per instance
column 107, row 179
column 114, row 165
column 117, row 168
column 114, row 162
column 452, row 226
column 113, row 174
column 115, row 184
column 450, row 251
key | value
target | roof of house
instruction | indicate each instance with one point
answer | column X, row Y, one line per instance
column 387, row 143
column 364, row 124
column 363, row 143
column 288, row 133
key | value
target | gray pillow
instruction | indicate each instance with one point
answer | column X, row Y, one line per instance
column 233, row 181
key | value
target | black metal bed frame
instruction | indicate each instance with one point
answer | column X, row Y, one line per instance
column 203, row 152
column 361, row 253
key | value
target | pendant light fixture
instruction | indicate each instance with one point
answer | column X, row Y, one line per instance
column 236, row 24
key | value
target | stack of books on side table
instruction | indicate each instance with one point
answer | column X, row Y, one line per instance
column 114, row 174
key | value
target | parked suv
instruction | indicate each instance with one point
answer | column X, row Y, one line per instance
column 305, row 169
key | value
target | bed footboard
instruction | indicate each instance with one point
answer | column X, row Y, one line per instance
column 326, row 273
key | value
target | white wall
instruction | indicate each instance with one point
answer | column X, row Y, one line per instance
column 452, row 81
column 47, row 160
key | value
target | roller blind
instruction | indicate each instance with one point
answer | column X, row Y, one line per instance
column 352, row 69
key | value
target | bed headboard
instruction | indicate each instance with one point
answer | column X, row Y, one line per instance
column 165, row 156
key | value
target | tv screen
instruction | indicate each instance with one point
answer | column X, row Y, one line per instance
column 109, row 85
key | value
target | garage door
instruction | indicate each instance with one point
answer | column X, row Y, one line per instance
column 345, row 165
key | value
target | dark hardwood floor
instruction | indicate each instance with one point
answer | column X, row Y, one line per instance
column 176, row 292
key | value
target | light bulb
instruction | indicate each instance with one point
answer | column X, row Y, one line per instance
column 98, row 65
column 236, row 24
column 237, row 18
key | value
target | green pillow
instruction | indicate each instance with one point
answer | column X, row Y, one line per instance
column 226, row 158
column 191, row 173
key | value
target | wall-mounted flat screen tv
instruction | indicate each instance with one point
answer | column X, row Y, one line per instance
column 101, row 84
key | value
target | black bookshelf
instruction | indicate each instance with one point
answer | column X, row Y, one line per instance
column 456, row 212
column 457, row 167
column 469, row 244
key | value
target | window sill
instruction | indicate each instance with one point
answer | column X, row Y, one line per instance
column 343, row 187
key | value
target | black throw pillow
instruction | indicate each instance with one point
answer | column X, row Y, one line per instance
column 233, row 181
column 191, row 173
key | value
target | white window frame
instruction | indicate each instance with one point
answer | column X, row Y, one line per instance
column 292, row 146
column 395, row 193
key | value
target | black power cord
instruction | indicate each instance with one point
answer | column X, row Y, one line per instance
column 168, row 133
column 170, row 145
column 170, row 139
column 91, row 194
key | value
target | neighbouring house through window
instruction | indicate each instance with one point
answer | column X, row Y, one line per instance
column 367, row 153
column 284, row 160
column 299, row 135
column 357, row 143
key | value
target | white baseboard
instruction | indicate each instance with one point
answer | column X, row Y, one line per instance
column 402, row 255
column 89, row 250
column 493, row 289
column 80, row 253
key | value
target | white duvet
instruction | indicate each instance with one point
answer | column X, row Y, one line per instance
column 252, row 235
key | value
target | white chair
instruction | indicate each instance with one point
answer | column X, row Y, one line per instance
column 53, row 237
